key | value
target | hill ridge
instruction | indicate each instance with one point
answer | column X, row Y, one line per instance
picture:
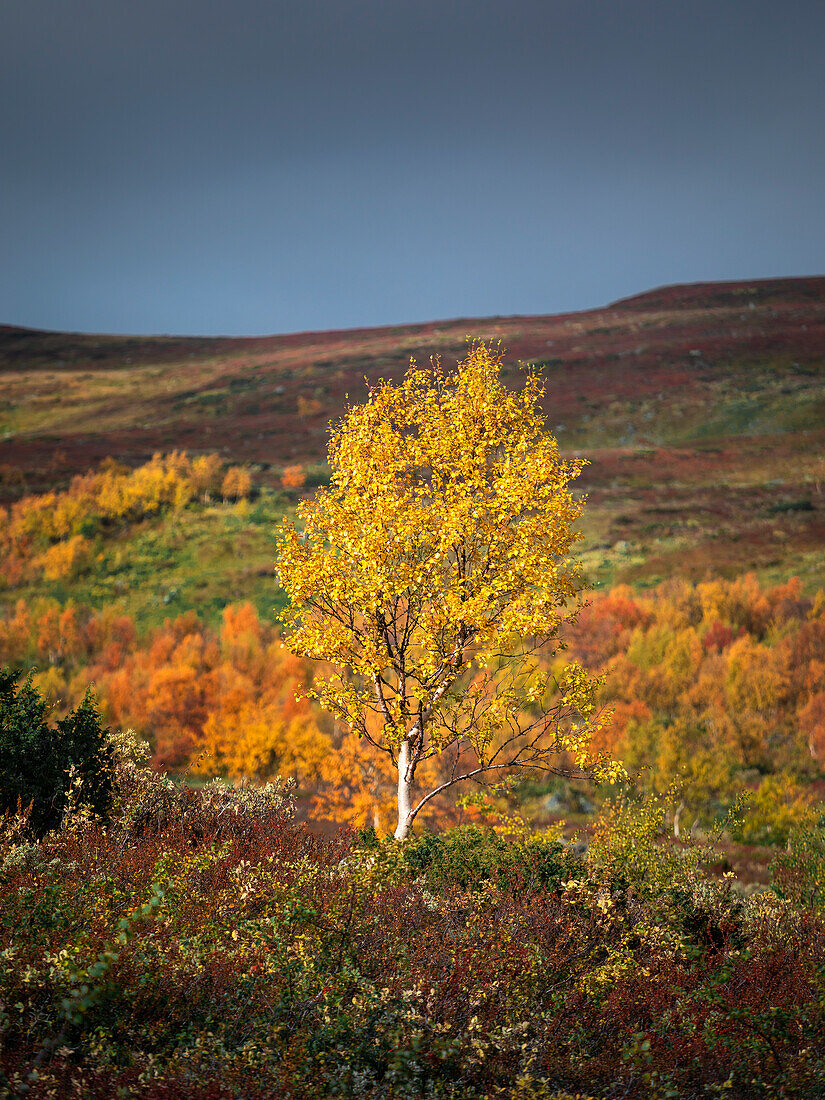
column 669, row 293
column 700, row 407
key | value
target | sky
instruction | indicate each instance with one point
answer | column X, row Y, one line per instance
column 264, row 166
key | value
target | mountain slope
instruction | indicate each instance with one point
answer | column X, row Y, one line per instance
column 701, row 409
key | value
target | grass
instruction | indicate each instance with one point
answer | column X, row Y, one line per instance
column 201, row 558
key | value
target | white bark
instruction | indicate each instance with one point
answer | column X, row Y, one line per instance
column 404, row 791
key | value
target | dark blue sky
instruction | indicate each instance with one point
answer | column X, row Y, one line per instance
column 201, row 166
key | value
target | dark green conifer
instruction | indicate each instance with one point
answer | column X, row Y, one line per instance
column 38, row 762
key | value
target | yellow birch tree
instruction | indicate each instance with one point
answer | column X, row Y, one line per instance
column 434, row 573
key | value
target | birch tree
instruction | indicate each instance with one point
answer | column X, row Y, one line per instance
column 433, row 576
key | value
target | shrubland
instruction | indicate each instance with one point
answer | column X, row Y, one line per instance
column 718, row 683
column 699, row 408
column 201, row 943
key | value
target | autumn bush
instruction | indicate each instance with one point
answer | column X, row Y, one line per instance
column 186, row 687
column 293, row 477
column 203, row 944
column 51, row 534
column 236, row 484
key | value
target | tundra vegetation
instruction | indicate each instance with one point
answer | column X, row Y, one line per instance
column 171, row 927
column 201, row 943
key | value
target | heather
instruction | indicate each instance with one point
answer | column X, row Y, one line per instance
column 204, row 944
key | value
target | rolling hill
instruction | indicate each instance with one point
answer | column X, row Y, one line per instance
column 701, row 409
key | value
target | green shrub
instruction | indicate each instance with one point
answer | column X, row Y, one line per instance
column 634, row 856
column 468, row 856
column 799, row 873
column 42, row 768
column 779, row 805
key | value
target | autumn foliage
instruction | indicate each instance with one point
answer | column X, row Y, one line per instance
column 185, row 687
column 721, row 683
column 236, row 484
column 52, row 534
column 293, row 477
column 432, row 575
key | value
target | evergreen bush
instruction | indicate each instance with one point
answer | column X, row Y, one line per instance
column 43, row 768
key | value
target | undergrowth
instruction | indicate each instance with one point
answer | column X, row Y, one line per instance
column 203, row 944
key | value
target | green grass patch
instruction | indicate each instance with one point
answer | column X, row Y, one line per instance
column 201, row 558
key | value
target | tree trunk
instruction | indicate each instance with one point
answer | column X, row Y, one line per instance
column 677, row 817
column 404, row 791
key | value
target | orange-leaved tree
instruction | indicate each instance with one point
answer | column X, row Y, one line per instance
column 433, row 572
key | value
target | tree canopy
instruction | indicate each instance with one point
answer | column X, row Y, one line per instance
column 433, row 572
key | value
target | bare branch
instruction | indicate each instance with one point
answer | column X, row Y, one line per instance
column 482, row 769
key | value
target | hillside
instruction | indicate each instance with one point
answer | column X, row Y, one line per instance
column 701, row 409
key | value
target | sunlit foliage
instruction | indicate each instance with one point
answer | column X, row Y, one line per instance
column 434, row 571
column 51, row 534
column 720, row 683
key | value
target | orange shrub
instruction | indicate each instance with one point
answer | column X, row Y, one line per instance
column 293, row 477
column 236, row 484
column 308, row 406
